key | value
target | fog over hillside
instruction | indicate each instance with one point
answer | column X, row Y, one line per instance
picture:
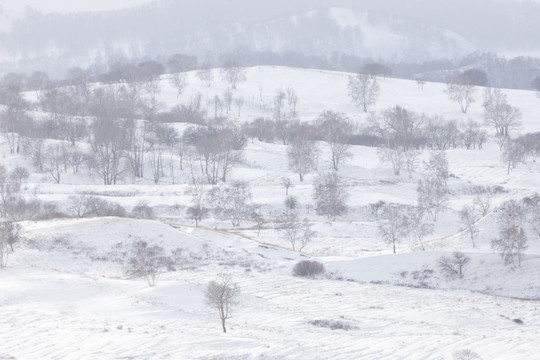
column 385, row 30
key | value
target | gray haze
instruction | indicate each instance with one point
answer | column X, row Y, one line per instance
column 412, row 31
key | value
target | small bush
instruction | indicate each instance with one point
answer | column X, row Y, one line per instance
column 291, row 203
column 466, row 354
column 142, row 210
column 308, row 268
column 333, row 325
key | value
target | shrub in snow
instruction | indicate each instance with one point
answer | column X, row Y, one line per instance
column 88, row 206
column 453, row 266
column 308, row 268
column 466, row 354
column 291, row 203
column 142, row 211
column 333, row 325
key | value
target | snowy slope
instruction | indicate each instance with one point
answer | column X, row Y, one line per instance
column 66, row 293
column 56, row 305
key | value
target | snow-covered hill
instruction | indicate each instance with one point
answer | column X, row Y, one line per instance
column 66, row 293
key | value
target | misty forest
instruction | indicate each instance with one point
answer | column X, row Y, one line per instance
column 248, row 180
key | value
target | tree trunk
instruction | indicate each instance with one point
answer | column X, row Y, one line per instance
column 223, row 325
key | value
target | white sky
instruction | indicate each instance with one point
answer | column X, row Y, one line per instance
column 16, row 7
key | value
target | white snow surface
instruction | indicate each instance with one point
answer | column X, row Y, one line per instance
column 65, row 293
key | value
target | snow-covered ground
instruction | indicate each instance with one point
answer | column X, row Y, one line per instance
column 66, row 295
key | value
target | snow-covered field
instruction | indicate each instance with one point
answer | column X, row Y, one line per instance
column 65, row 293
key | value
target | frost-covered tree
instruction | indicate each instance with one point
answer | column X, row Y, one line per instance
column 468, row 218
column 460, row 89
column 297, row 232
column 513, row 153
column 401, row 131
column 330, row 196
column 419, row 226
column 205, row 74
column 336, row 130
column 179, row 82
column 147, row 262
column 453, row 266
column 363, row 90
column 512, row 241
column 222, row 295
column 233, row 73
column 302, row 153
column 235, row 202
column 392, row 226
column 499, row 114
column 197, row 211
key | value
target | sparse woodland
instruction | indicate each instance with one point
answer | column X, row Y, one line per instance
column 252, row 165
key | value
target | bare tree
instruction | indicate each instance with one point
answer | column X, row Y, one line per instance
column 13, row 117
column 136, row 145
column 279, row 105
column 468, row 219
column 205, row 74
column 297, row 232
column 513, row 153
column 159, row 137
column 453, row 266
column 512, row 241
column 222, row 295
column 532, row 204
column 511, row 244
column 482, row 201
column 197, row 211
column 394, row 156
column 432, row 190
column 292, row 101
column 233, row 73
column 363, row 90
column 108, row 150
column 235, row 202
column 9, row 193
column 431, row 197
column 287, row 184
column 302, row 154
column 401, row 131
column 10, row 233
column 179, row 82
column 418, row 225
column 393, row 227
column 228, row 99
column 436, row 169
column 239, row 102
column 54, row 162
column 147, row 262
column 330, row 196
column 499, row 114
column 460, row 90
column 336, row 129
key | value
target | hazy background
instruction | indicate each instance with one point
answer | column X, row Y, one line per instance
column 52, row 36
